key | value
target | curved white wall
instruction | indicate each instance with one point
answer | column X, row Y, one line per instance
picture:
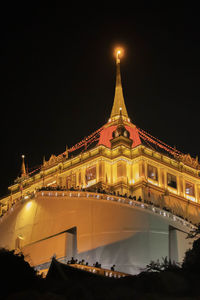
column 107, row 231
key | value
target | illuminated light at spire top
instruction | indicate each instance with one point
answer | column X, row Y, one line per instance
column 119, row 103
column 118, row 53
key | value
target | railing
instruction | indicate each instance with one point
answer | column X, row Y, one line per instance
column 43, row 268
column 123, row 200
column 102, row 196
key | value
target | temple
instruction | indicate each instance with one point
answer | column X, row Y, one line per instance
column 119, row 196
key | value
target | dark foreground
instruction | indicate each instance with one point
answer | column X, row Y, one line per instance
column 167, row 281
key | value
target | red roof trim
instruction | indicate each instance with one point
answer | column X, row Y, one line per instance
column 106, row 136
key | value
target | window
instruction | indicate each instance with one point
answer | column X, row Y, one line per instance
column 121, row 169
column 189, row 188
column 79, row 178
column 73, row 180
column 171, row 181
column 152, row 172
column 68, row 182
column 90, row 174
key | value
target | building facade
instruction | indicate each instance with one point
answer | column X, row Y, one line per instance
column 120, row 196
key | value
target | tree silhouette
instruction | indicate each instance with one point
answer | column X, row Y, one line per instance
column 194, row 233
column 191, row 261
column 164, row 265
column 15, row 273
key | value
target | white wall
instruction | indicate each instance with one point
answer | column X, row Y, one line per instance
column 108, row 232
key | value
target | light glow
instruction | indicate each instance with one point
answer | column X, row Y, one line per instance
column 51, row 183
column 119, row 52
column 91, row 182
column 28, row 205
column 174, row 191
column 190, row 198
column 152, row 182
column 132, row 181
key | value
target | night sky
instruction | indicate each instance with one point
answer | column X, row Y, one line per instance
column 58, row 77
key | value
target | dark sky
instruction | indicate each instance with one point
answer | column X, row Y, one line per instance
column 58, row 76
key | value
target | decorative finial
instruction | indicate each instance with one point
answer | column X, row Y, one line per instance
column 118, row 98
column 23, row 168
column 118, row 53
column 66, row 152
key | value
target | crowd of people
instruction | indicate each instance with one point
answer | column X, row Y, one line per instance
column 103, row 191
column 73, row 261
column 113, row 193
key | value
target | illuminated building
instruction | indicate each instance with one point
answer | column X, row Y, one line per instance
column 120, row 196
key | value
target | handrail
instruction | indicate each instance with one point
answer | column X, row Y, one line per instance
column 108, row 197
column 100, row 271
column 122, row 200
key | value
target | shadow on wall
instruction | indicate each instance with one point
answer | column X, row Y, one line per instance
column 130, row 255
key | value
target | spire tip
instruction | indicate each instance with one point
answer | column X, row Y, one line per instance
column 118, row 53
column 23, row 168
column 119, row 106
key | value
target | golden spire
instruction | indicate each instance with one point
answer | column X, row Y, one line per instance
column 119, row 104
column 23, row 168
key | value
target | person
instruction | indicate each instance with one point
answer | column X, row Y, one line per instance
column 96, row 265
column 113, row 268
column 72, row 261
